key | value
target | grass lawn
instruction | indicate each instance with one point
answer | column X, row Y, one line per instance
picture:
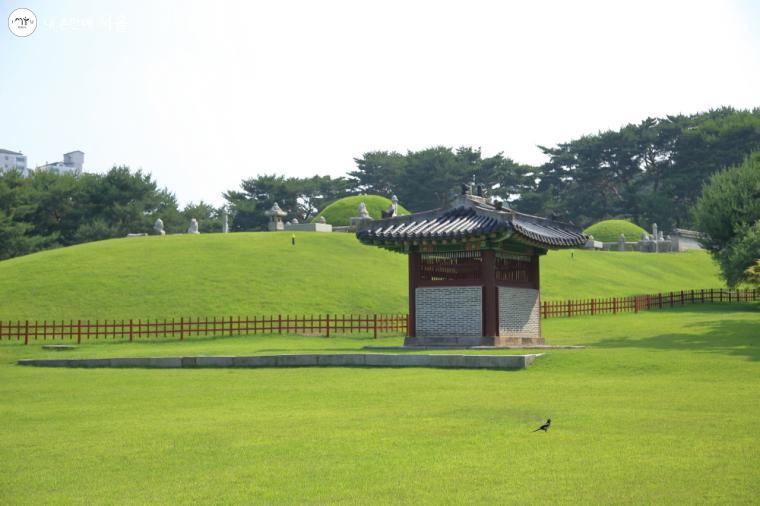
column 661, row 408
column 262, row 274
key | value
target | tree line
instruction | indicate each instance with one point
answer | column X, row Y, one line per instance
column 48, row 210
column 651, row 171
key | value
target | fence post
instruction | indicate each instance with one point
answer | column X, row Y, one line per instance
column 181, row 328
column 328, row 324
column 635, row 304
column 79, row 331
column 614, row 305
column 26, row 333
column 545, row 311
column 375, row 324
column 279, row 324
column 131, row 330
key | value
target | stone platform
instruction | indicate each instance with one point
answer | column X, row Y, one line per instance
column 467, row 341
column 508, row 362
column 510, row 347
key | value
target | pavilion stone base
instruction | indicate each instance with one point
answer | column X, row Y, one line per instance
column 463, row 342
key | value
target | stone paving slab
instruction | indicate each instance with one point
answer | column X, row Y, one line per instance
column 303, row 360
column 508, row 347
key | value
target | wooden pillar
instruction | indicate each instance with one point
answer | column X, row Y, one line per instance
column 414, row 276
column 490, row 304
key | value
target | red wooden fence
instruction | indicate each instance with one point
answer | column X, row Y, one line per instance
column 130, row 330
column 327, row 325
column 636, row 303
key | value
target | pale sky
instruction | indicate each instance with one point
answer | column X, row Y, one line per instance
column 205, row 94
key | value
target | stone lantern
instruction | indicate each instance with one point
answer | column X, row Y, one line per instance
column 275, row 218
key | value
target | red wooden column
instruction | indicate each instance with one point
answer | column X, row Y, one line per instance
column 490, row 305
column 414, row 276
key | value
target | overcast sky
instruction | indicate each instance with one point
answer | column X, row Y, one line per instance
column 204, row 94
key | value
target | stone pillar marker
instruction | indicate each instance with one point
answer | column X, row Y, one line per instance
column 226, row 224
column 621, row 242
column 275, row 218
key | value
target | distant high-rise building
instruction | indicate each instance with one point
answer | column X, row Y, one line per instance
column 74, row 159
column 72, row 163
column 10, row 160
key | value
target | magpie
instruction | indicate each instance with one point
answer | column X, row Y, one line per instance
column 545, row 427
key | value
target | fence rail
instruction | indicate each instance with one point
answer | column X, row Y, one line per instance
column 328, row 325
column 182, row 328
column 636, row 303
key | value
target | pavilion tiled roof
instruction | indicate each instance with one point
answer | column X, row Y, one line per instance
column 469, row 218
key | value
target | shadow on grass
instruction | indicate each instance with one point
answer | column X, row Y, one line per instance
column 721, row 335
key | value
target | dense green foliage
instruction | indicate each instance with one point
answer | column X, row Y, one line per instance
column 47, row 210
column 261, row 273
column 341, row 211
column 659, row 409
column 650, row 172
column 427, row 179
column 301, row 198
column 610, row 230
column 728, row 214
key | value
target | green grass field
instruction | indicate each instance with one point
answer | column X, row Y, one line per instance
column 661, row 408
column 261, row 273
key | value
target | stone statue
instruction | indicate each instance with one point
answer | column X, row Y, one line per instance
column 391, row 211
column 226, row 224
column 322, row 219
column 621, row 242
column 660, row 237
column 364, row 216
column 644, row 236
column 654, row 231
column 193, row 228
column 294, row 221
column 158, row 226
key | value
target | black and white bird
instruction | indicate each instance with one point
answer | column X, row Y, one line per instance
column 545, row 427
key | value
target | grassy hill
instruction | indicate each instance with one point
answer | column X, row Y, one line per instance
column 610, row 230
column 340, row 212
column 261, row 273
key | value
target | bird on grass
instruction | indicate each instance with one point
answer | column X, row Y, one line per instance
column 545, row 427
